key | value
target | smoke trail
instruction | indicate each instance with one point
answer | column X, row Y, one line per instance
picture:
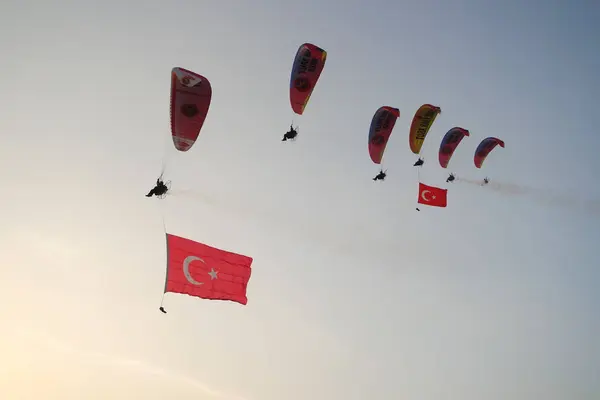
column 540, row 196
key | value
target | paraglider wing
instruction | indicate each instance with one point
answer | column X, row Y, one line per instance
column 449, row 143
column 306, row 70
column 381, row 128
column 190, row 99
column 421, row 123
column 484, row 148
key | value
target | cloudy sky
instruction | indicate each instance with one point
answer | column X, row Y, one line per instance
column 354, row 295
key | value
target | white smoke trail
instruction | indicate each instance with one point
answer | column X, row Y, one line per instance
column 540, row 196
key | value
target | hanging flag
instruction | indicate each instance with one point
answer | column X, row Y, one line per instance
column 432, row 196
column 199, row 270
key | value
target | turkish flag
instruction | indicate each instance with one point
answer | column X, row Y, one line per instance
column 199, row 270
column 432, row 196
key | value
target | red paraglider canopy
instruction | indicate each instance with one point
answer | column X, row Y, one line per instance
column 381, row 128
column 449, row 144
column 190, row 99
column 484, row 148
column 306, row 70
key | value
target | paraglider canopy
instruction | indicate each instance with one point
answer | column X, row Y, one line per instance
column 306, row 70
column 382, row 124
column 421, row 123
column 190, row 100
column 449, row 144
column 484, row 148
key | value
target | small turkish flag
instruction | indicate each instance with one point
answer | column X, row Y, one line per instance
column 432, row 196
column 202, row 271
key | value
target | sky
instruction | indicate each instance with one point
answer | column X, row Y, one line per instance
column 354, row 294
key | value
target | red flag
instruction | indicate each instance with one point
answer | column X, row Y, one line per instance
column 432, row 196
column 199, row 270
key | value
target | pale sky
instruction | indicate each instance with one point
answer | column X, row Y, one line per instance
column 354, row 295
